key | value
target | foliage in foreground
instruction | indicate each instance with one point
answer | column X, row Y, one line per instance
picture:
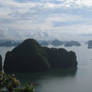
column 8, row 83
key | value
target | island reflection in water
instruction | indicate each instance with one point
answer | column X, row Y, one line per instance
column 45, row 75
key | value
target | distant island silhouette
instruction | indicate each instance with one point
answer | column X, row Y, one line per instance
column 55, row 42
column 30, row 56
column 89, row 44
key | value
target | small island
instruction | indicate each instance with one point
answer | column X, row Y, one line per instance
column 89, row 44
column 30, row 56
column 0, row 63
column 72, row 43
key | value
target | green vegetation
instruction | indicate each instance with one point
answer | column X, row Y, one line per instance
column 27, row 88
column 9, row 83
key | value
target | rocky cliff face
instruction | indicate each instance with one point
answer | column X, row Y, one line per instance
column 29, row 56
column 0, row 63
column 61, row 58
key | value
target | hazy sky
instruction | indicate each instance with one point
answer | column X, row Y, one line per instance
column 62, row 19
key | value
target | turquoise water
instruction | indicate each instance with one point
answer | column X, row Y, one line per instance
column 65, row 80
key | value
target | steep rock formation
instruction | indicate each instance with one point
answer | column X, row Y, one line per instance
column 29, row 56
column 0, row 63
column 61, row 58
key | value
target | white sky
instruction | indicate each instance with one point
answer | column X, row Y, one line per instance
column 44, row 17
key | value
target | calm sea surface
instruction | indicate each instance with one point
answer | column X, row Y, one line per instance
column 63, row 80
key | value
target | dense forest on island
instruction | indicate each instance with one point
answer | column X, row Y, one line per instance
column 30, row 56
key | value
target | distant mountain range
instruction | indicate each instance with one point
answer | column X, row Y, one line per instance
column 59, row 43
column 8, row 43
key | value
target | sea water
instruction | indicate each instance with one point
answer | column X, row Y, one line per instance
column 79, row 80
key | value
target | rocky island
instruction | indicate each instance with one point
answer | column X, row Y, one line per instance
column 0, row 63
column 72, row 43
column 89, row 44
column 29, row 56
